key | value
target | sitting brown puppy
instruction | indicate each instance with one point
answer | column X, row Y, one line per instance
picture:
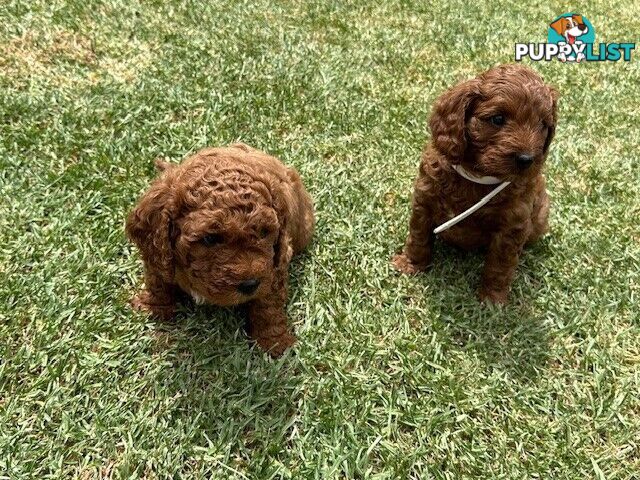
column 487, row 131
column 223, row 227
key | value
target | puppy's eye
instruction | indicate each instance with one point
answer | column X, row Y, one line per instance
column 211, row 239
column 497, row 120
column 263, row 232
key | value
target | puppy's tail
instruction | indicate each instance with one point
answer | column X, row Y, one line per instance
column 162, row 165
column 242, row 146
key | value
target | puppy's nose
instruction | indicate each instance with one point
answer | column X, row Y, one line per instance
column 524, row 160
column 248, row 286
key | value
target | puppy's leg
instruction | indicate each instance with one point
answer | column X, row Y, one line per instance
column 267, row 317
column 501, row 262
column 416, row 255
column 268, row 321
column 157, row 298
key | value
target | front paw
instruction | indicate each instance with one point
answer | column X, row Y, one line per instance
column 493, row 297
column 276, row 346
column 145, row 302
column 402, row 264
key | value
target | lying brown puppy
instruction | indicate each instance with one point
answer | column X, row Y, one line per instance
column 487, row 131
column 223, row 226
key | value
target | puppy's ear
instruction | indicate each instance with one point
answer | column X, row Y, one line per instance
column 150, row 226
column 447, row 122
column 283, row 251
column 578, row 19
column 559, row 25
column 554, row 112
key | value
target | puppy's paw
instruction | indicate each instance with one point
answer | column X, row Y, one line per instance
column 276, row 346
column 145, row 302
column 402, row 264
column 493, row 297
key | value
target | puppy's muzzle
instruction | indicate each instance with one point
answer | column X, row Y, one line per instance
column 248, row 286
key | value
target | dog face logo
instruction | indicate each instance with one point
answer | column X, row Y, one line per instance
column 571, row 29
column 571, row 39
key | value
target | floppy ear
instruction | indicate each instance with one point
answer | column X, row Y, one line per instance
column 283, row 251
column 149, row 226
column 578, row 19
column 559, row 25
column 552, row 129
column 447, row 122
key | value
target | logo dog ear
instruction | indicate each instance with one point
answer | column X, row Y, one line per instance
column 578, row 19
column 150, row 226
column 447, row 122
column 559, row 25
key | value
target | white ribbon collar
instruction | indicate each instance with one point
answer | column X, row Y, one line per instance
column 487, row 180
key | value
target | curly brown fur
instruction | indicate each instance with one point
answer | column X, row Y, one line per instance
column 223, row 226
column 465, row 130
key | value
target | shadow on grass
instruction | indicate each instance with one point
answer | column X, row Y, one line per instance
column 514, row 337
column 236, row 399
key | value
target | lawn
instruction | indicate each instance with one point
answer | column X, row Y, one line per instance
column 393, row 377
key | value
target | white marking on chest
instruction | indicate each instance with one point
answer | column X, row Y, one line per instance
column 199, row 299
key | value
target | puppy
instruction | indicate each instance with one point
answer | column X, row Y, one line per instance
column 497, row 126
column 223, row 227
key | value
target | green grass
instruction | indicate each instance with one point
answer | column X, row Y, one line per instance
column 393, row 377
